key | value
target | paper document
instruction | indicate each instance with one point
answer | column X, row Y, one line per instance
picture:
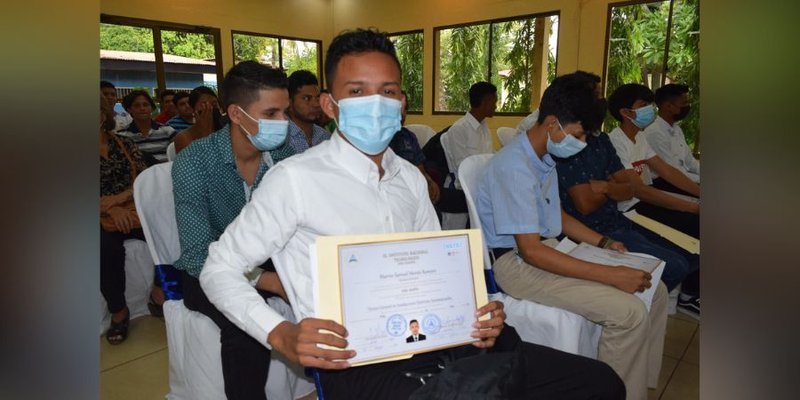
column 400, row 294
column 644, row 262
column 688, row 243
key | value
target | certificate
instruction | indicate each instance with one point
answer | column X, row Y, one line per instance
column 401, row 294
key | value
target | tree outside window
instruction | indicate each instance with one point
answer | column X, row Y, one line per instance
column 638, row 47
column 517, row 55
column 279, row 52
column 410, row 53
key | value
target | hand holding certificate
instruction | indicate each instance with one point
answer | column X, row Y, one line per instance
column 402, row 294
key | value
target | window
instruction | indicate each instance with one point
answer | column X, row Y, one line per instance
column 410, row 52
column 517, row 55
column 655, row 43
column 152, row 55
column 289, row 54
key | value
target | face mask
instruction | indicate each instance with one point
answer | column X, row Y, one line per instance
column 683, row 113
column 644, row 116
column 271, row 133
column 369, row 122
column 565, row 148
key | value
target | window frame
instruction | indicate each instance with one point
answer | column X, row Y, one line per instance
column 157, row 27
column 491, row 23
column 320, row 72
column 410, row 32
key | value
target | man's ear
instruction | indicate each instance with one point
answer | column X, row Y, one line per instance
column 550, row 122
column 234, row 115
column 330, row 109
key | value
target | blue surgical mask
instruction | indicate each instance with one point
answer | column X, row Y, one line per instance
column 369, row 122
column 644, row 116
column 271, row 133
column 568, row 147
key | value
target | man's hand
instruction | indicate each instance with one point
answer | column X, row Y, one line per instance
column 270, row 282
column 433, row 190
column 618, row 246
column 488, row 330
column 629, row 280
column 123, row 219
column 298, row 343
column 600, row 187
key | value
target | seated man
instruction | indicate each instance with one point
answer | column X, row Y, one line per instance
column 666, row 137
column 151, row 137
column 304, row 111
column 166, row 101
column 519, row 206
column 470, row 134
column 213, row 179
column 207, row 117
column 591, row 183
column 632, row 106
column 405, row 144
column 185, row 116
column 353, row 184
column 121, row 118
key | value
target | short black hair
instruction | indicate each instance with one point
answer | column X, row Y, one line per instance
column 299, row 79
column 127, row 101
column 670, row 92
column 572, row 98
column 242, row 83
column 478, row 91
column 179, row 96
column 196, row 93
column 412, row 321
column 356, row 42
column 165, row 93
column 107, row 84
column 625, row 96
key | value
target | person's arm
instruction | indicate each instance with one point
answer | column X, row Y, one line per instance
column 182, row 140
column 107, row 202
column 651, row 195
column 263, row 227
column 433, row 188
column 673, row 176
column 588, row 197
column 534, row 252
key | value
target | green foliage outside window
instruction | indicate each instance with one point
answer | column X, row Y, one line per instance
column 409, row 48
column 637, row 47
column 297, row 54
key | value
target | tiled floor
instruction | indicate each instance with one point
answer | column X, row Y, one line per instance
column 138, row 369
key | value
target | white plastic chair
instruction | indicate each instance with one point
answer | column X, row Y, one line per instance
column 423, row 132
column 452, row 220
column 535, row 323
column 195, row 366
column 171, row 152
column 506, row 134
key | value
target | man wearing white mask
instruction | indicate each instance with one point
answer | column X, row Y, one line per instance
column 366, row 189
column 632, row 105
column 520, row 211
column 213, row 178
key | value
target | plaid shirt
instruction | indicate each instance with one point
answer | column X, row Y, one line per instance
column 297, row 138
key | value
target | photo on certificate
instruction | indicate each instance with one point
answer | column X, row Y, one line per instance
column 401, row 294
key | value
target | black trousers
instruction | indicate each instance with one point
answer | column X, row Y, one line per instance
column 112, row 266
column 245, row 361
column 685, row 222
column 451, row 201
column 512, row 368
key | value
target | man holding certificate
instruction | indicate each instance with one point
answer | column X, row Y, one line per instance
column 353, row 185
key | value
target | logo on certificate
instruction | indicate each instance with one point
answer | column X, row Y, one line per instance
column 352, row 259
column 396, row 325
column 431, row 324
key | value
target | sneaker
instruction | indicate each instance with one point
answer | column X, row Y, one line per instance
column 690, row 307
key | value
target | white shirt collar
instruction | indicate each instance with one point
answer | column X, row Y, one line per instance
column 665, row 125
column 359, row 165
column 472, row 121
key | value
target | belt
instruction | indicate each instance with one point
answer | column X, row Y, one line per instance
column 498, row 252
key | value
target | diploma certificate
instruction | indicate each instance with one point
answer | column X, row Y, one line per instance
column 401, row 294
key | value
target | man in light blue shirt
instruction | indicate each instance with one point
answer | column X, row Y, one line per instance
column 519, row 206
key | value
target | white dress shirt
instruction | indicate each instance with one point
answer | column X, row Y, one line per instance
column 529, row 121
column 669, row 142
column 465, row 138
column 331, row 189
column 633, row 155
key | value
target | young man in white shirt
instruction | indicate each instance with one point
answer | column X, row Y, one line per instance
column 632, row 105
column 470, row 134
column 666, row 137
column 367, row 190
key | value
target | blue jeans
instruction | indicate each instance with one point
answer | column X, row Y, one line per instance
column 680, row 264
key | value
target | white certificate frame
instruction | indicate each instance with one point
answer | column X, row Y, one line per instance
column 327, row 274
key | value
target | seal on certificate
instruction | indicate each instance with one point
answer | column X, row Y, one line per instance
column 431, row 324
column 396, row 325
